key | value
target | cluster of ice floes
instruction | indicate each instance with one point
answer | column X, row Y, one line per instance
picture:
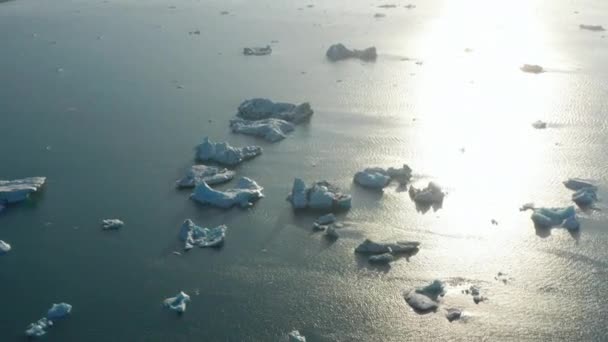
column 223, row 153
column 431, row 195
column 555, row 217
column 13, row 191
column 177, row 303
column 193, row 235
column 272, row 130
column 585, row 191
column 257, row 51
column 379, row 178
column 244, row 195
column 320, row 195
column 109, row 224
column 211, row 175
column 426, row 298
column 328, row 224
column 475, row 291
column 56, row 312
column 4, row 247
column 384, row 253
column 295, row 336
column 591, row 27
column 532, row 68
column 339, row 52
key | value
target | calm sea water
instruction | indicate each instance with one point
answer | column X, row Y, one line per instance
column 90, row 99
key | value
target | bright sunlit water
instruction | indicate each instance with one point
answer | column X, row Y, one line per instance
column 108, row 98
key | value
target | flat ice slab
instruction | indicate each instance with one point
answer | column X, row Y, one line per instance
column 272, row 130
column 295, row 336
column 379, row 178
column 13, row 191
column 112, row 224
column 432, row 194
column 4, row 247
column 223, row 153
column 177, row 303
column 339, row 52
column 257, row 51
column 370, row 247
column 202, row 173
column 193, row 235
column 244, row 195
column 259, row 109
column 320, row 195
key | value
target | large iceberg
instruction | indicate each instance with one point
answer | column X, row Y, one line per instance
column 432, row 194
column 58, row 311
column 272, row 130
column 555, row 217
column 370, row 247
column 259, row 109
column 193, row 235
column 177, row 303
column 209, row 174
column 246, row 192
column 378, row 178
column 18, row 190
column 4, row 247
column 425, row 299
column 295, row 336
column 223, row 153
column 339, row 52
column 321, row 195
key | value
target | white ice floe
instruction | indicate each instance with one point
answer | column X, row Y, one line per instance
column 378, row 178
column 209, row 174
column 591, row 27
column 579, row 183
column 112, row 224
column 18, row 190
column 177, row 303
column 259, row 109
column 193, row 235
column 339, row 52
column 246, row 192
column 370, row 247
column 257, row 51
column 532, row 68
column 58, row 311
column 555, row 217
column 4, row 247
column 425, row 298
column 321, row 195
column 272, row 130
column 223, row 153
column 295, row 336
column 326, row 219
column 38, row 329
column 539, row 124
column 432, row 194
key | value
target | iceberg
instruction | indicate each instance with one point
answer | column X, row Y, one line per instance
column 578, row 184
column 321, row 195
column 585, row 197
column 331, row 232
column 272, row 130
column 532, row 68
column 295, row 336
column 259, row 109
column 58, row 311
column 591, row 27
column 453, row 314
column 432, row 194
column 223, row 153
column 433, row 290
column 193, row 235
column 4, row 247
column 378, row 178
column 326, row 219
column 257, row 51
column 111, row 224
column 177, row 303
column 539, row 124
column 370, row 247
column 420, row 302
column 209, row 174
column 245, row 194
column 13, row 191
column 339, row 52
column 554, row 217
column 38, row 329
column 383, row 258
column 387, row 6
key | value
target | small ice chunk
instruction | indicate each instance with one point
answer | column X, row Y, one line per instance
column 370, row 247
column 272, row 130
column 13, row 191
column 109, row 224
column 453, row 314
column 591, row 27
column 383, row 258
column 4, row 247
column 409, row 6
column 209, row 174
column 433, row 290
column 331, row 232
column 259, row 109
column 420, row 302
column 193, row 235
column 432, row 194
column 585, row 197
column 378, row 178
column 321, row 195
column 223, row 153
column 553, row 217
column 387, row 6
column 58, row 311
column 379, row 15
column 579, row 183
column 38, row 329
column 257, row 51
column 326, row 219
column 339, row 52
column 245, row 194
column 539, row 124
column 295, row 336
column 532, row 68
column 177, row 303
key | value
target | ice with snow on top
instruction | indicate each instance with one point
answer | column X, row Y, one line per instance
column 177, row 303
column 193, row 235
column 378, row 178
column 260, row 109
column 339, row 52
column 295, row 336
column 13, row 191
column 223, row 153
column 321, row 195
column 38, row 329
column 211, row 175
column 432, row 194
column 272, row 130
column 109, row 224
column 370, row 247
column 58, row 311
column 244, row 195
column 425, row 298
column 555, row 217
column 4, row 247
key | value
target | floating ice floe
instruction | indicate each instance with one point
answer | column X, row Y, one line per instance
column 18, row 190
column 579, row 183
column 339, row 52
column 331, row 232
column 591, row 27
column 4, row 247
column 223, row 153
column 378, row 178
column 272, row 130
column 58, row 311
column 555, row 217
column 370, row 247
column 321, row 195
column 246, row 192
column 177, row 303
column 425, row 298
column 295, row 336
column 432, row 194
column 387, row 6
column 539, row 124
column 38, row 329
column 193, row 235
column 257, row 51
column 209, row 174
column 475, row 291
column 326, row 219
column 585, row 197
column 379, row 15
column 532, row 68
column 453, row 314
column 383, row 258
column 259, row 109
column 112, row 224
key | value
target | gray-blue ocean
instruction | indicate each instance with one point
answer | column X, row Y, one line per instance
column 107, row 99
